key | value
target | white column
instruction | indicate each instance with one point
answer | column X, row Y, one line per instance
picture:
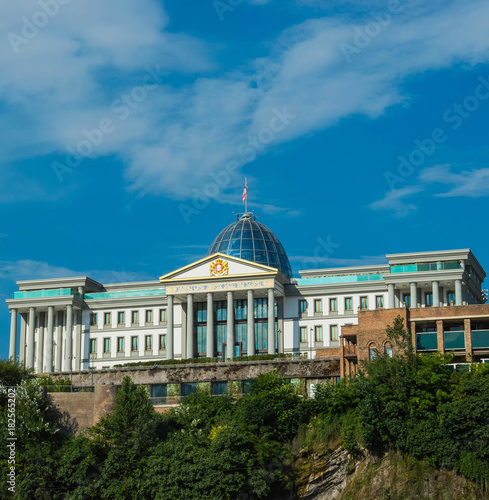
column 23, row 333
column 77, row 364
column 436, row 293
column 190, row 326
column 414, row 295
column 40, row 344
column 31, row 325
column 445, row 296
column 59, row 342
column 69, row 339
column 49, row 340
column 169, row 328
column 250, row 327
column 13, row 335
column 458, row 292
column 271, row 321
column 230, row 327
column 210, row 326
column 391, row 296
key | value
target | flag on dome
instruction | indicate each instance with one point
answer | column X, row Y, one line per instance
column 245, row 191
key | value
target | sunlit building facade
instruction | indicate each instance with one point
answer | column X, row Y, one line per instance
column 241, row 299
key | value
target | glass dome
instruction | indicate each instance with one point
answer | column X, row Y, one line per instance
column 250, row 240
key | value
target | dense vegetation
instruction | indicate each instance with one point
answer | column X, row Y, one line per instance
column 220, row 447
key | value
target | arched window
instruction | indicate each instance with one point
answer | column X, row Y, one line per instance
column 388, row 349
column 372, row 351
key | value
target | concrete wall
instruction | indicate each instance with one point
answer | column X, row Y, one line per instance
column 207, row 372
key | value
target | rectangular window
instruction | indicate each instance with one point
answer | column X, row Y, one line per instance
column 333, row 332
column 162, row 315
column 388, row 351
column 135, row 317
column 318, row 333
column 348, row 304
column 120, row 344
column 93, row 346
column 302, row 306
column 106, row 345
column 149, row 316
column 162, row 342
column 429, row 299
column 121, row 318
column 93, row 319
column 363, row 303
column 148, row 343
column 333, row 305
column 379, row 302
column 451, row 298
column 107, row 319
column 406, row 299
column 318, row 305
column 303, row 333
column 134, row 343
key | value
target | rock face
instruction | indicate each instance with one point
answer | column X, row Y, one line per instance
column 336, row 475
column 325, row 476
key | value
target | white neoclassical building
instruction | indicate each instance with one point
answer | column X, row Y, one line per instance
column 239, row 300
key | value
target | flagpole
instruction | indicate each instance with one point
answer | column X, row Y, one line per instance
column 246, row 199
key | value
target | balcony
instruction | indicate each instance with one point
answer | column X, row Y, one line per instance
column 426, row 342
column 35, row 294
column 430, row 266
column 454, row 340
column 480, row 339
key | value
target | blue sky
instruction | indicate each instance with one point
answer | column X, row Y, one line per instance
column 128, row 129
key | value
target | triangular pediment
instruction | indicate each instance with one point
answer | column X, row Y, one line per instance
column 218, row 266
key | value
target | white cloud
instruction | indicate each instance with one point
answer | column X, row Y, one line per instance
column 470, row 183
column 176, row 138
column 394, row 202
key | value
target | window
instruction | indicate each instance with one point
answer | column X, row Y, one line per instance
column 303, row 333
column 363, row 302
column 162, row 342
column 451, row 298
column 149, row 316
column 93, row 319
column 318, row 333
column 135, row 317
column 93, row 346
column 372, row 352
column 333, row 305
column 148, row 343
column 162, row 315
column 302, row 306
column 333, row 332
column 406, row 299
column 107, row 319
column 348, row 304
column 388, row 349
column 120, row 344
column 134, row 343
column 379, row 302
column 106, row 345
column 318, row 305
column 121, row 318
column 429, row 299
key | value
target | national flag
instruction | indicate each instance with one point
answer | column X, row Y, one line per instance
column 245, row 192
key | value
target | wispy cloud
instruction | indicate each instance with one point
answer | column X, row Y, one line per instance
column 394, row 201
column 470, row 183
column 364, row 260
column 184, row 133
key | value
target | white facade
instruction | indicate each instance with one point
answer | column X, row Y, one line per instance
column 75, row 324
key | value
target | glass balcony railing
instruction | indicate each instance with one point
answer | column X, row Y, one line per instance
column 329, row 280
column 426, row 342
column 34, row 294
column 480, row 339
column 429, row 266
column 454, row 340
column 129, row 293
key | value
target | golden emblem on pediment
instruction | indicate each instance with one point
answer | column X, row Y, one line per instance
column 219, row 267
